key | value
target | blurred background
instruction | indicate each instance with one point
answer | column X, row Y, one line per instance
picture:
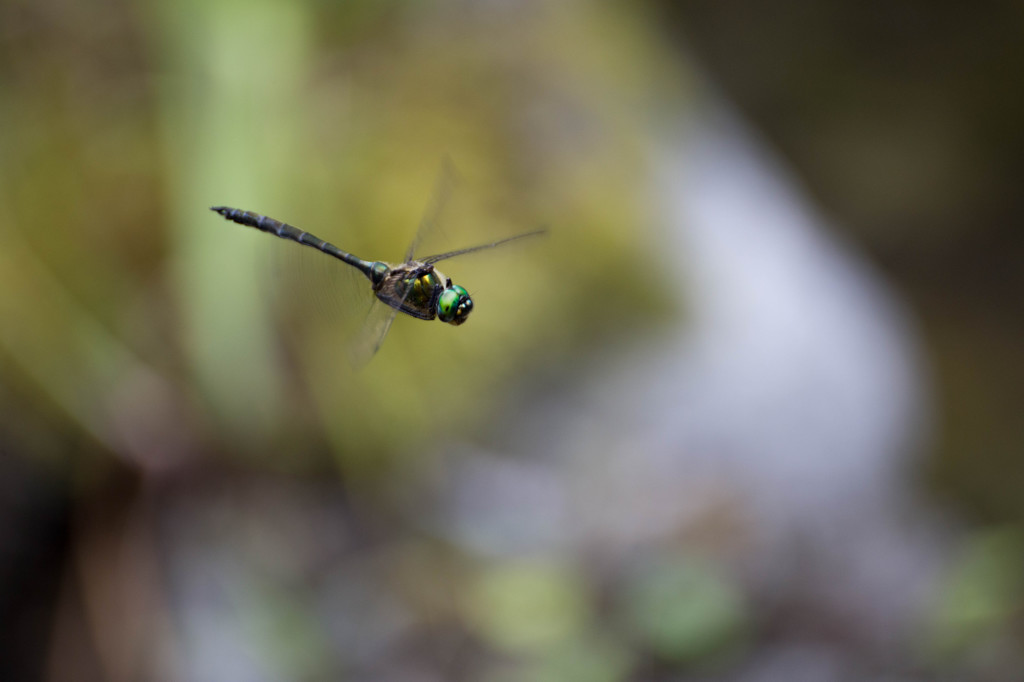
column 750, row 411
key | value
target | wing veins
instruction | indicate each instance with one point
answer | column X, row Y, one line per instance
column 430, row 260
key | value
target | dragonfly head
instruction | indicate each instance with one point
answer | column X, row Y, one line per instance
column 454, row 305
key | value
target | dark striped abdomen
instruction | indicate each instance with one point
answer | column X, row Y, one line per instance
column 286, row 231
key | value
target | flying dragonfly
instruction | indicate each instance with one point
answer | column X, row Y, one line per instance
column 414, row 286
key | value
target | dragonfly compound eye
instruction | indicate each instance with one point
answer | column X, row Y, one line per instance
column 454, row 305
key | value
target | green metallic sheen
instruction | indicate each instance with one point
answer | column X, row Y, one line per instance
column 454, row 305
column 378, row 271
column 447, row 303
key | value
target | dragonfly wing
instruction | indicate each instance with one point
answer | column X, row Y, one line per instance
column 308, row 292
column 367, row 341
column 390, row 300
column 442, row 192
column 430, row 260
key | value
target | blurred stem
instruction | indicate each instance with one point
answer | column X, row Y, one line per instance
column 228, row 105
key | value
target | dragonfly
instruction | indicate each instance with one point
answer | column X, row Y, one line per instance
column 414, row 286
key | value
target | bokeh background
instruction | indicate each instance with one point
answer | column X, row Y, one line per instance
column 750, row 411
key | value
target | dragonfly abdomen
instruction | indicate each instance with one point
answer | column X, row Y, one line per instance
column 286, row 231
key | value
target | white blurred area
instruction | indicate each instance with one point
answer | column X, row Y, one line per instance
column 772, row 430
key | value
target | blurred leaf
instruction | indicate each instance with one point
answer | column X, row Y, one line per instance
column 983, row 595
column 287, row 633
column 586, row 660
column 685, row 610
column 591, row 660
column 527, row 607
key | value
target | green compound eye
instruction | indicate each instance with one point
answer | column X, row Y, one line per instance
column 454, row 305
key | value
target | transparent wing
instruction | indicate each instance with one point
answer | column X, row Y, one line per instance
column 313, row 294
column 309, row 288
column 431, row 219
column 367, row 341
column 320, row 292
column 430, row 260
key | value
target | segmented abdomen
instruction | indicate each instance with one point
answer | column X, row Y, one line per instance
column 286, row 231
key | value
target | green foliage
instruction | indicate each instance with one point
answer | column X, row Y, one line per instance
column 253, row 105
column 982, row 597
column 684, row 610
column 528, row 607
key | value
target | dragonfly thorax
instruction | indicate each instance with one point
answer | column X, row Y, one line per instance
column 416, row 288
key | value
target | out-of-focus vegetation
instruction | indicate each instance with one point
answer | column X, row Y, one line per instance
column 193, row 480
column 122, row 128
column 144, row 340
